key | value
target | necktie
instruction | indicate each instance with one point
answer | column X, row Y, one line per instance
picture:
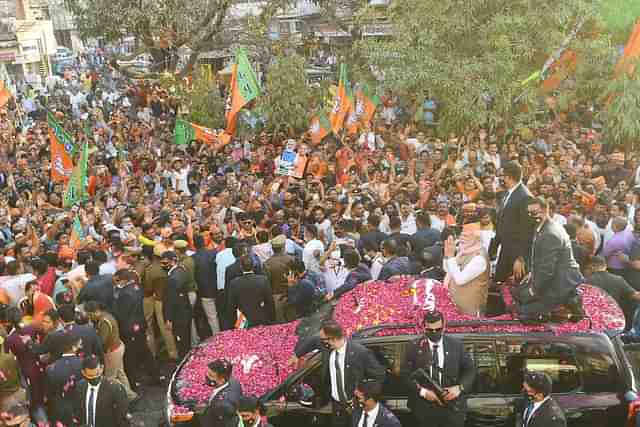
column 435, row 364
column 365, row 423
column 92, row 414
column 339, row 383
column 527, row 414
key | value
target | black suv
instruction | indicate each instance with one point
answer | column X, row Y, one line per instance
column 594, row 377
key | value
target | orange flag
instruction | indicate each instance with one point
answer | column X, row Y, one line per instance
column 244, row 89
column 340, row 103
column 565, row 65
column 5, row 95
column 631, row 53
column 62, row 148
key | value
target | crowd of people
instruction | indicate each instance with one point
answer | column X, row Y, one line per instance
column 183, row 241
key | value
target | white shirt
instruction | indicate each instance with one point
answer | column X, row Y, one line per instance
column 95, row 389
column 14, row 286
column 473, row 269
column 311, row 262
column 536, row 405
column 376, row 267
column 373, row 414
column 224, row 259
column 332, row 370
column 440, row 344
column 505, row 201
column 334, row 274
column 408, row 226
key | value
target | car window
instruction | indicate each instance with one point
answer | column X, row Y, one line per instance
column 484, row 358
column 555, row 359
column 391, row 356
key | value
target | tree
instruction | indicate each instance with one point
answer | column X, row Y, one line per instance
column 474, row 55
column 161, row 26
column 622, row 109
column 287, row 99
column 206, row 106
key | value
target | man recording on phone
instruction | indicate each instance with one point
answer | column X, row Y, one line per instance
column 439, row 373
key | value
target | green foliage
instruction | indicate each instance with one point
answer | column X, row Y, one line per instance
column 460, row 51
column 206, row 106
column 622, row 101
column 619, row 16
column 287, row 99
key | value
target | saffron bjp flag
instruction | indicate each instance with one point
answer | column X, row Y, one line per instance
column 340, row 102
column 185, row 132
column 62, row 149
column 77, row 187
column 319, row 128
column 77, row 234
column 352, row 123
column 562, row 68
column 631, row 53
column 366, row 104
column 5, row 95
column 244, row 89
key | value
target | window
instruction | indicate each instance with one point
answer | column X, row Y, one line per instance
column 483, row 354
column 391, row 356
column 555, row 359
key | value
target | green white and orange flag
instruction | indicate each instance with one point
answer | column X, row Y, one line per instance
column 76, row 191
column 320, row 127
column 340, row 103
column 62, row 150
column 244, row 89
column 185, row 132
column 352, row 124
column 366, row 104
column 77, row 234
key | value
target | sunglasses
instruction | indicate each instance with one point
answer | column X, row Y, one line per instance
column 434, row 330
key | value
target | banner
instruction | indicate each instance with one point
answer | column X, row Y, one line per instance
column 62, row 150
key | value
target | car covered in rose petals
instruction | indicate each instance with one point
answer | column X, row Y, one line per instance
column 595, row 372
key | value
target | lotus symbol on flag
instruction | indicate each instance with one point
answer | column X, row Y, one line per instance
column 247, row 363
column 336, row 105
column 359, row 108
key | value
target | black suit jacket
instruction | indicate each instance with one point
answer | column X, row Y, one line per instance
column 555, row 274
column 98, row 288
column 251, row 294
column 548, row 415
column 513, row 231
column 359, row 363
column 385, row 417
column 91, row 343
column 129, row 312
column 176, row 305
column 61, row 380
column 205, row 274
column 52, row 344
column 111, row 404
column 458, row 369
column 221, row 410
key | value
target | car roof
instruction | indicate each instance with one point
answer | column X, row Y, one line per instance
column 403, row 302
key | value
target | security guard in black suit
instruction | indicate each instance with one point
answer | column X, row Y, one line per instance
column 440, row 403
column 540, row 410
column 370, row 412
column 345, row 364
column 177, row 308
column 223, row 404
